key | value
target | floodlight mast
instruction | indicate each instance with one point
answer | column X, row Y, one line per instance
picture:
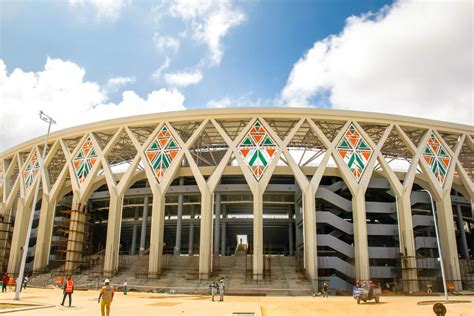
column 19, row 281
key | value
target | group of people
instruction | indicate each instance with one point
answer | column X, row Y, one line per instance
column 6, row 281
column 214, row 286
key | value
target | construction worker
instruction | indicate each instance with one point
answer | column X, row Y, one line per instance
column 68, row 290
column 125, row 287
column 325, row 289
column 221, row 290
column 213, row 287
column 5, row 280
column 107, row 294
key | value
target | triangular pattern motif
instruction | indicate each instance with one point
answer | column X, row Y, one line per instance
column 355, row 151
column 437, row 158
column 257, row 149
column 84, row 160
column 31, row 170
column 161, row 152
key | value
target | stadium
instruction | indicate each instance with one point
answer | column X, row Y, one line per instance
column 278, row 199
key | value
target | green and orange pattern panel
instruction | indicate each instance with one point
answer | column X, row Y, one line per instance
column 31, row 170
column 437, row 158
column 84, row 160
column 257, row 149
column 355, row 151
column 161, row 152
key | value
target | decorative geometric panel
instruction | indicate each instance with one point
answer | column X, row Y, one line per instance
column 355, row 151
column 437, row 158
column 31, row 170
column 257, row 149
column 84, row 160
column 161, row 152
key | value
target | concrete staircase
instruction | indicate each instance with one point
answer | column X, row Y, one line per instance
column 180, row 275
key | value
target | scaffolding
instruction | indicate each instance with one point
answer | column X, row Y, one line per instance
column 67, row 249
column 6, row 233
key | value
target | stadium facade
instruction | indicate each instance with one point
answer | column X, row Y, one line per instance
column 343, row 194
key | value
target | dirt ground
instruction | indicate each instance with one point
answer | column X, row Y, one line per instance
column 142, row 304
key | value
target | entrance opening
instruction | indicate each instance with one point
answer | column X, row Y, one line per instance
column 242, row 239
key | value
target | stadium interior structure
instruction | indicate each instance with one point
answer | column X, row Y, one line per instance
column 267, row 198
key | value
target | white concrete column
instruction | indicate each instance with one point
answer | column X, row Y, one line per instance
column 224, row 230
column 291, row 242
column 217, row 224
column 191, row 233
column 134, row 240
column 18, row 239
column 156, row 235
column 447, row 236
column 146, row 201
column 258, row 236
column 179, row 222
column 45, row 231
column 361, row 248
column 114, row 224
column 407, row 243
column 205, row 240
column 309, row 231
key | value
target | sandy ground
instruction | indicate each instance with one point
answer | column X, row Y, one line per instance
column 143, row 304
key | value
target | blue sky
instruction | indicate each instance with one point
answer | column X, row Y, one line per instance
column 357, row 55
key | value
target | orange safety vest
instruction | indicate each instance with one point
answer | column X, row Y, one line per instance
column 69, row 287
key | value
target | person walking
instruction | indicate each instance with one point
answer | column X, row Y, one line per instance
column 68, row 290
column 107, row 294
column 125, row 287
column 213, row 287
column 325, row 289
column 25, row 281
column 5, row 280
column 221, row 290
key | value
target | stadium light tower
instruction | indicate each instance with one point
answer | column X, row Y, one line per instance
column 439, row 247
column 19, row 280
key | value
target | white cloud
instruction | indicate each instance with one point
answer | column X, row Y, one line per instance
column 113, row 84
column 209, row 20
column 157, row 73
column 182, row 78
column 105, row 9
column 61, row 91
column 165, row 42
column 413, row 58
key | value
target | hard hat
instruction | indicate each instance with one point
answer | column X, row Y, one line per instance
column 107, row 281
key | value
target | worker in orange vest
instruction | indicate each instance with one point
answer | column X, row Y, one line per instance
column 68, row 290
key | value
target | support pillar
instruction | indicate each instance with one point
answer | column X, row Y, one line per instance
column 114, row 223
column 191, row 233
column 146, row 201
column 224, row 230
column 291, row 243
column 156, row 235
column 134, row 240
column 217, row 224
column 76, row 237
column 205, row 240
column 462, row 232
column 361, row 248
column 179, row 222
column 258, row 236
column 309, row 231
column 45, row 231
column 18, row 239
column 447, row 236
column 407, row 244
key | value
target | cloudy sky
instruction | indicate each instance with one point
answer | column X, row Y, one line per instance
column 87, row 60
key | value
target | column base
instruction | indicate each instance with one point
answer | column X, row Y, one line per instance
column 257, row 277
column 203, row 276
column 153, row 275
